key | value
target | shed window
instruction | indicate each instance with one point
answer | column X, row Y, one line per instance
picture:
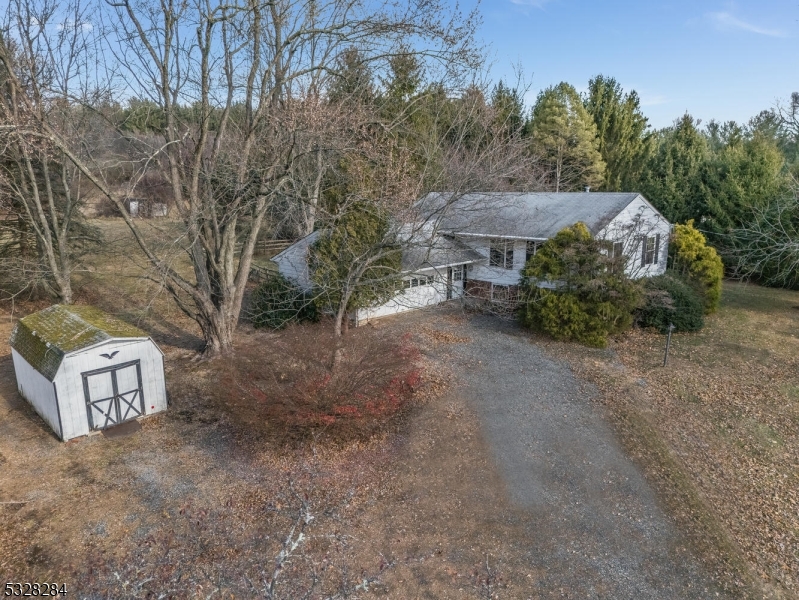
column 650, row 248
column 501, row 253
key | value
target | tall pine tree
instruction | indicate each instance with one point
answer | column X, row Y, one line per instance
column 508, row 109
column 564, row 135
column 672, row 178
column 624, row 141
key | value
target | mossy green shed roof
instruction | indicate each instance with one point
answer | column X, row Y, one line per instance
column 45, row 337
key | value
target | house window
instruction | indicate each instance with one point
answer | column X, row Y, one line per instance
column 500, row 293
column 501, row 253
column 618, row 250
column 650, row 248
column 457, row 273
column 532, row 248
column 417, row 280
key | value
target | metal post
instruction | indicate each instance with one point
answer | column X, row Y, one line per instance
column 668, row 343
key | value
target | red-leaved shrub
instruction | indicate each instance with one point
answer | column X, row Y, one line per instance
column 289, row 388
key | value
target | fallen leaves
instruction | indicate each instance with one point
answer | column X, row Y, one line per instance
column 439, row 336
column 726, row 409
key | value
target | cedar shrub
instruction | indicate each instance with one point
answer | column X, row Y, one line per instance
column 690, row 257
column 573, row 290
column 277, row 302
column 670, row 299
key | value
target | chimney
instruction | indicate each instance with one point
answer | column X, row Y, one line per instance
column 587, row 189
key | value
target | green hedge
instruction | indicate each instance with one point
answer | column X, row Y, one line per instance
column 700, row 264
column 670, row 299
column 277, row 302
column 573, row 290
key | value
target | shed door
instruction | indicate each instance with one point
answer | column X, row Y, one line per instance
column 113, row 395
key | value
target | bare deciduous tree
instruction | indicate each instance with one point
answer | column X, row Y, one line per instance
column 768, row 247
column 38, row 73
column 252, row 73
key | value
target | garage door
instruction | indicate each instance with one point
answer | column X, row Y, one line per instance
column 113, row 395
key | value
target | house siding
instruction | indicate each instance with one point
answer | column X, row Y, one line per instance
column 292, row 263
column 496, row 275
column 412, row 298
column 38, row 391
column 636, row 220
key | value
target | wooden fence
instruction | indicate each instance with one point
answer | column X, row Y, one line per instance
column 271, row 247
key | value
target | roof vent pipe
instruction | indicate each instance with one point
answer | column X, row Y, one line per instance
column 587, row 189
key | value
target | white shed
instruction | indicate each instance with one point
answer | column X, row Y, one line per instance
column 83, row 370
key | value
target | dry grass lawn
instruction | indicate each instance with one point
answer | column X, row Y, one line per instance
column 198, row 503
column 717, row 429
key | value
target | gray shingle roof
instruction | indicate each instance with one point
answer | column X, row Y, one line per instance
column 418, row 252
column 45, row 337
column 443, row 252
column 532, row 215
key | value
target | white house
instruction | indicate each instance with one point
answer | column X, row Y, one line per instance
column 83, row 370
column 433, row 267
column 506, row 229
column 477, row 244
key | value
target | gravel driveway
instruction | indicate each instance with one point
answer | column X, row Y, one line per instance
column 595, row 527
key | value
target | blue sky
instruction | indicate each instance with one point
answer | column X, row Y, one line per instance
column 714, row 59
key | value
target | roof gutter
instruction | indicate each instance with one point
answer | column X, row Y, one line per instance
column 504, row 237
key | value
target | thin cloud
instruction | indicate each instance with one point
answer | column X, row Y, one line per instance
column 729, row 22
column 653, row 100
column 531, row 3
column 73, row 25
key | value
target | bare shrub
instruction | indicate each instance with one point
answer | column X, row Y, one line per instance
column 291, row 392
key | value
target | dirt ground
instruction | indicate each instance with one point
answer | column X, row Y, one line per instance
column 200, row 502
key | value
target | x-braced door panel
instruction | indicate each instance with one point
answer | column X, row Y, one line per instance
column 113, row 395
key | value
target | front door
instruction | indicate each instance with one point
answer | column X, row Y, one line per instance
column 449, row 283
column 113, row 395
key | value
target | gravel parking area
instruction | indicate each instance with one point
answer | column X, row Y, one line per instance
column 594, row 527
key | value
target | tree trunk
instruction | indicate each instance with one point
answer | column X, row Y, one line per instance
column 340, row 326
column 217, row 326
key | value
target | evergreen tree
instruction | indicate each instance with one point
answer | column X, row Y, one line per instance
column 698, row 263
column 353, row 79
column 672, row 178
column 624, row 141
column 565, row 137
column 587, row 295
column 508, row 109
column 721, row 135
column 744, row 174
column 473, row 132
column 356, row 263
column 142, row 115
column 402, row 84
